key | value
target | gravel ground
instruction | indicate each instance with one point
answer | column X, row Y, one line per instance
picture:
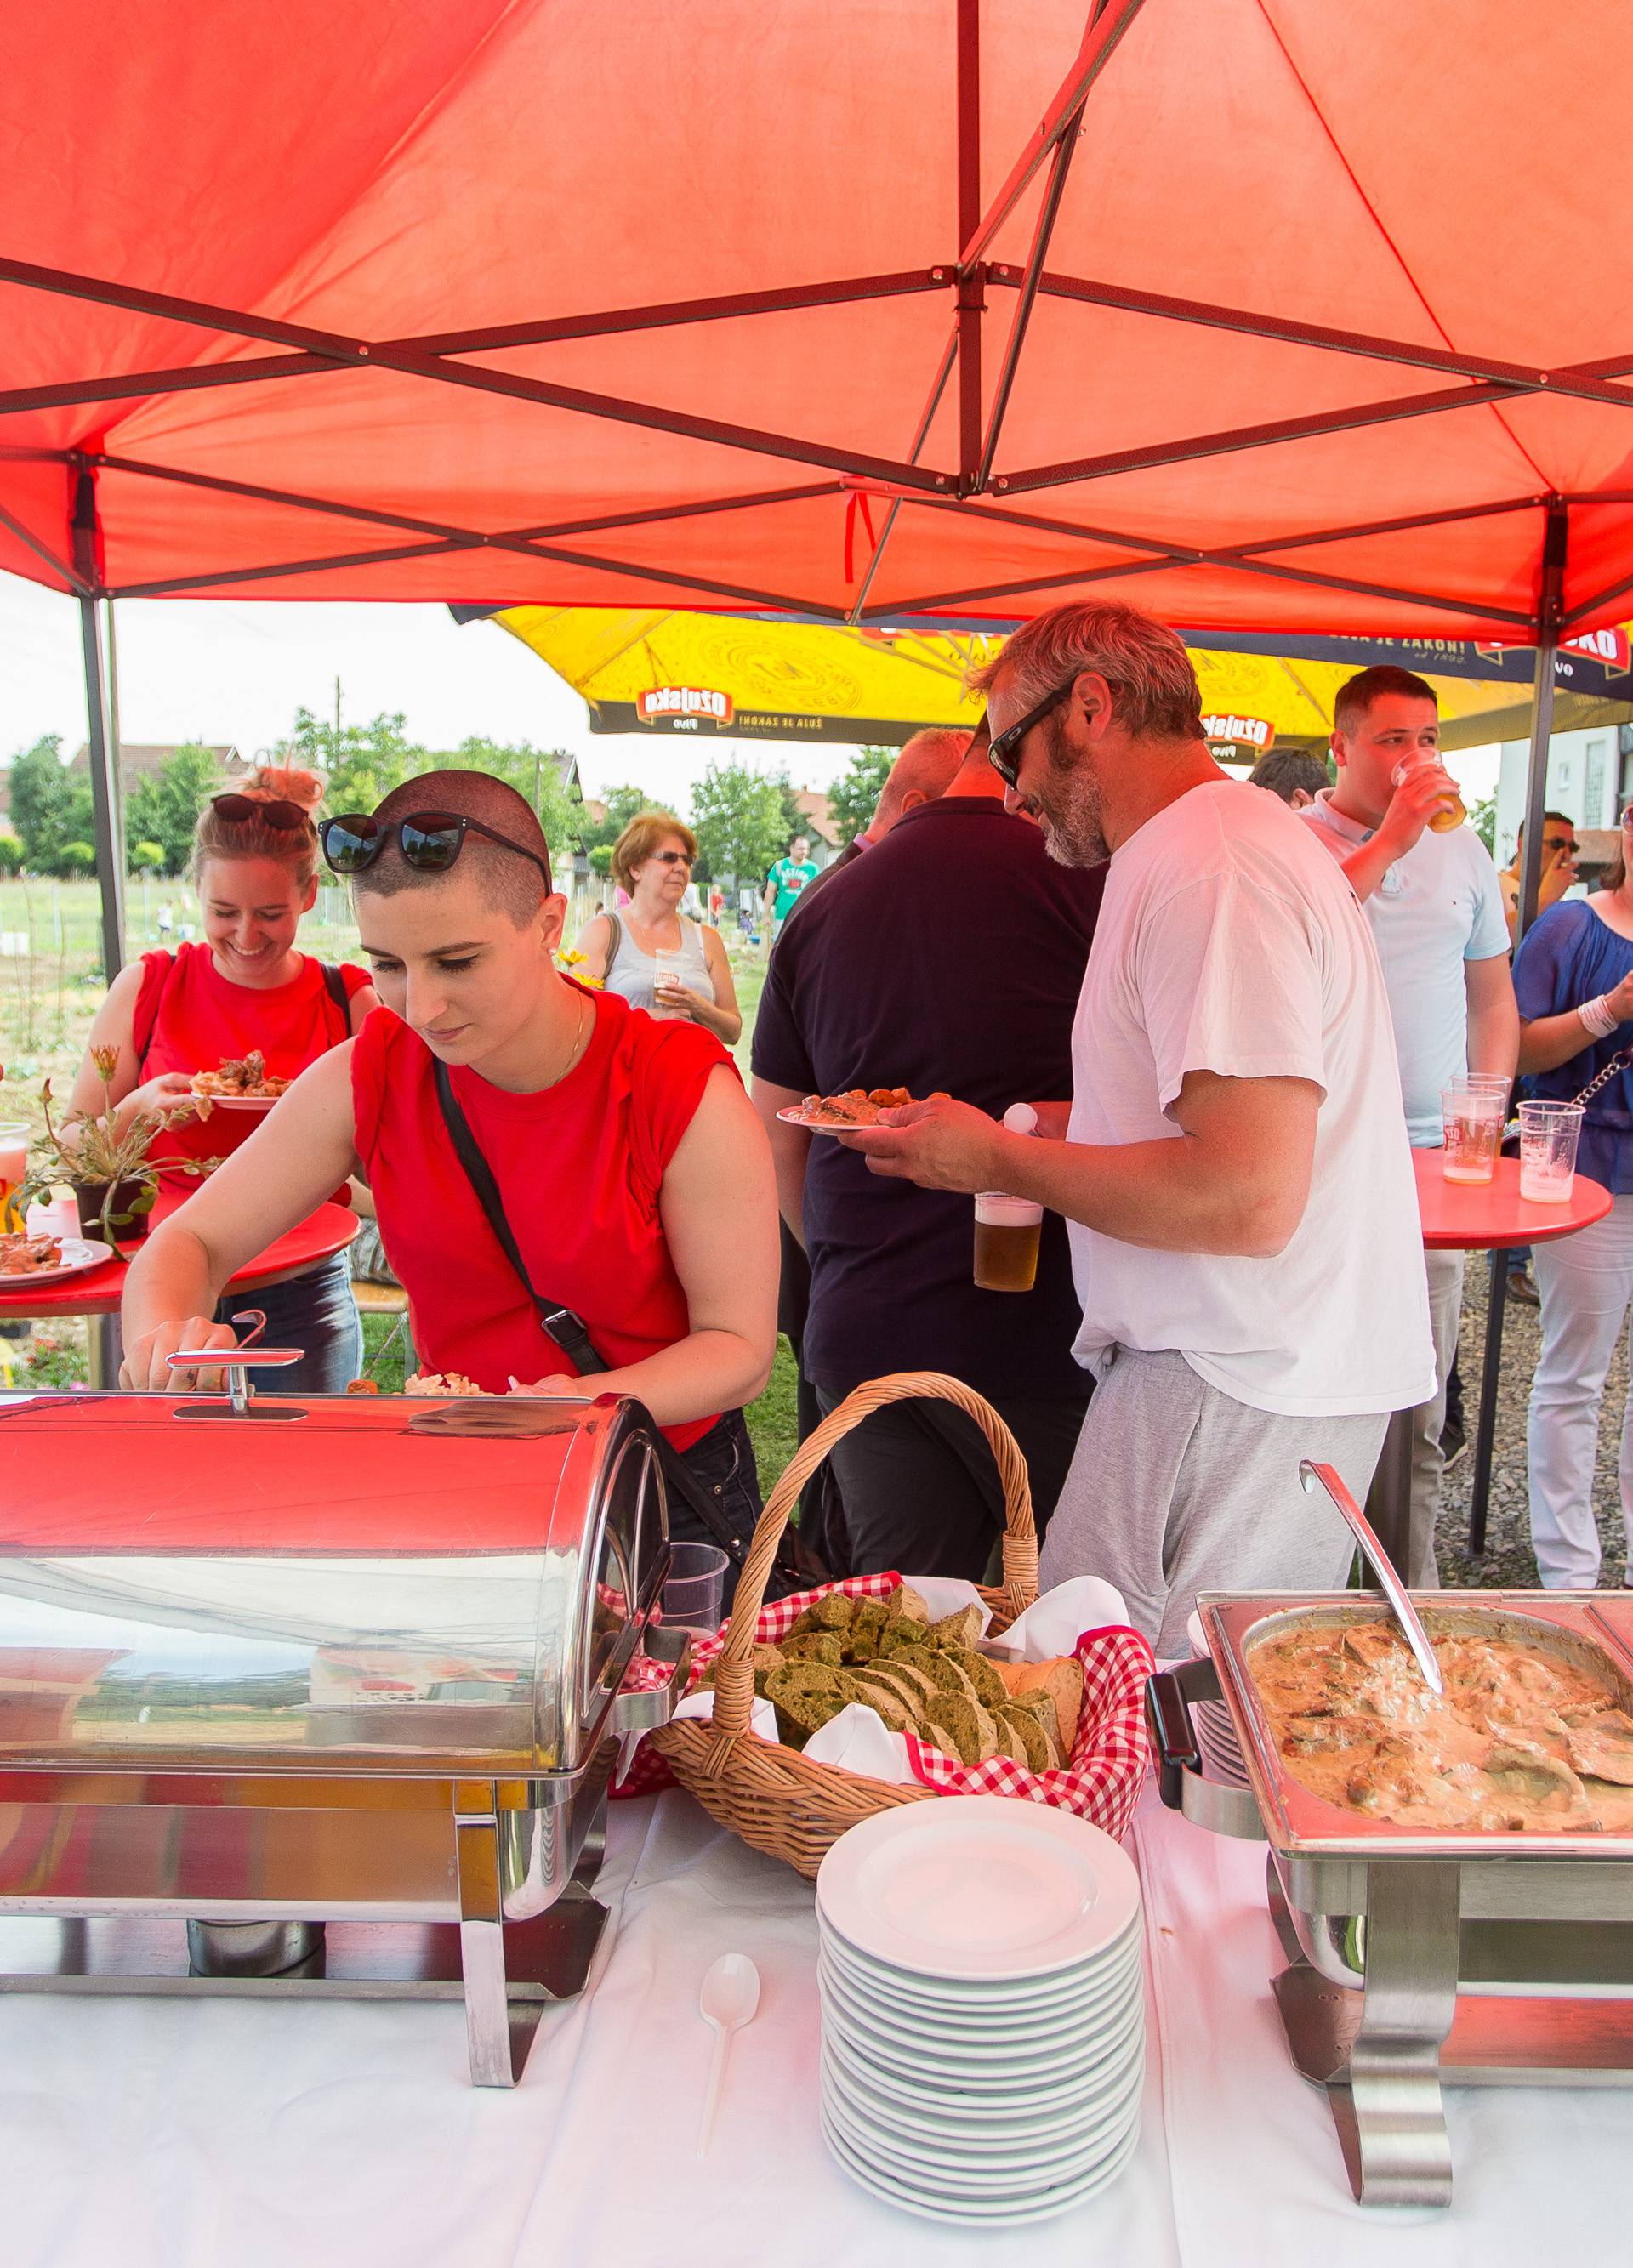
column 1508, row 1560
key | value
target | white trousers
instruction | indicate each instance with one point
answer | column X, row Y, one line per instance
column 1585, row 1286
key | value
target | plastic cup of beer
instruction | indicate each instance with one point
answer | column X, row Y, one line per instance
column 1473, row 1117
column 1007, row 1230
column 13, row 1169
column 666, row 970
column 1548, row 1134
column 1449, row 814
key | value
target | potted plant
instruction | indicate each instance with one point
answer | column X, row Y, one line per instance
column 114, row 1179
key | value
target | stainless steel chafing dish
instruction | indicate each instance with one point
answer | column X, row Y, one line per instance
column 1416, row 1955
column 321, row 1706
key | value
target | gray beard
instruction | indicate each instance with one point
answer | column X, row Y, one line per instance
column 1073, row 835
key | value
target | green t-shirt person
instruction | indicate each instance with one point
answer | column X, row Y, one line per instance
column 787, row 878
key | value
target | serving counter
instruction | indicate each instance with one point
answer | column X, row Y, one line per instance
column 163, row 2135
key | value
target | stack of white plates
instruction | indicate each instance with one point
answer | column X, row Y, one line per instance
column 983, row 2011
column 1216, row 1729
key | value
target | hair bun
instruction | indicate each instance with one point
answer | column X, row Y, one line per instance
column 292, row 782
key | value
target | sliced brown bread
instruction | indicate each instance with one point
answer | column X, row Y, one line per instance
column 1022, row 1734
column 962, row 1629
column 990, row 1688
column 906, row 1604
column 942, row 1669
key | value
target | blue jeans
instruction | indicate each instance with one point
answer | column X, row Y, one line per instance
column 316, row 1313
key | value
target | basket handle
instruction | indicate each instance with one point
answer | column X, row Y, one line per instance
column 733, row 1679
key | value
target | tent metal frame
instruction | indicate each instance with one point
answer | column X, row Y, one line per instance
column 967, row 280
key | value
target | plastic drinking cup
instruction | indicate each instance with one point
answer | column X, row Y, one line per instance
column 1548, row 1133
column 695, row 1586
column 13, row 1168
column 1007, row 1230
column 1473, row 1118
column 666, row 970
column 1450, row 814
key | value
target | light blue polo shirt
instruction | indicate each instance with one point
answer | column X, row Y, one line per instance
column 1436, row 908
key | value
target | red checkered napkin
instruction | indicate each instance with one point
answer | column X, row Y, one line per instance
column 1101, row 1783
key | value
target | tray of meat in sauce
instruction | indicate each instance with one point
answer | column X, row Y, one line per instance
column 1530, row 1747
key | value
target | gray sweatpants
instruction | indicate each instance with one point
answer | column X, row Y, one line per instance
column 1176, row 1489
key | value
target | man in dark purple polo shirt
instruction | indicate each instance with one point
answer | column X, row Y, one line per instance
column 950, row 956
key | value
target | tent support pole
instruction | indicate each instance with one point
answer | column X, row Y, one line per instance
column 1550, row 610
column 108, row 824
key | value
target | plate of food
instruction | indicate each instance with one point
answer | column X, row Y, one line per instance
column 242, row 1083
column 45, row 1259
column 859, row 1106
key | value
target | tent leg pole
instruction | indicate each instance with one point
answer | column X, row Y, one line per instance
column 110, row 864
column 1550, row 603
column 1485, row 1424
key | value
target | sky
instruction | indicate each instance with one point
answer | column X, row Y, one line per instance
column 235, row 671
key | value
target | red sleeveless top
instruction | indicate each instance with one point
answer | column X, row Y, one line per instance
column 578, row 1168
column 189, row 1018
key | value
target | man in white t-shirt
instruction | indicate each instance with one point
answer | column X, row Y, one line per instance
column 1435, row 904
column 1233, row 1167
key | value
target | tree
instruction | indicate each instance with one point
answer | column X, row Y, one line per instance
column 50, row 806
column 1482, row 819
column 363, row 762
column 163, row 807
column 854, row 794
column 535, row 773
column 794, row 821
column 147, row 858
column 740, row 821
column 11, row 851
column 76, row 859
column 621, row 804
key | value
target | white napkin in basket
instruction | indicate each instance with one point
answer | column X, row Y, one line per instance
column 1054, row 1624
column 858, row 1739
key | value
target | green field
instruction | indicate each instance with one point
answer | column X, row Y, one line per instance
column 50, row 987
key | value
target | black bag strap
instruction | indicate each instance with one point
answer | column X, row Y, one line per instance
column 572, row 1336
column 567, row 1329
column 615, row 942
column 334, row 985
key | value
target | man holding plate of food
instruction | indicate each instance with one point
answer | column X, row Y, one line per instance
column 1233, row 1168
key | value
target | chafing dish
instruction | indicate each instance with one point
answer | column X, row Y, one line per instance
column 1418, row 1954
column 319, row 1706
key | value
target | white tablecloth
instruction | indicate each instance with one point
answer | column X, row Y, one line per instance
column 225, row 2134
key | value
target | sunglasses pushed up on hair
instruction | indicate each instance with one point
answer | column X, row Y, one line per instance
column 273, row 810
column 429, row 841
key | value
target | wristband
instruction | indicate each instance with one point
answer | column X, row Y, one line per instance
column 1598, row 1016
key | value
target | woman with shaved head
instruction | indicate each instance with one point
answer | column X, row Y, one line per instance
column 629, row 1169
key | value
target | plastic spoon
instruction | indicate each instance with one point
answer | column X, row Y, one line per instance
column 730, row 1995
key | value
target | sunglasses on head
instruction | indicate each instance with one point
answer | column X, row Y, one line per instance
column 277, row 811
column 1004, row 749
column 430, row 840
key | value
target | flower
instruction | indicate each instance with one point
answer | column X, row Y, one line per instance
column 106, row 1061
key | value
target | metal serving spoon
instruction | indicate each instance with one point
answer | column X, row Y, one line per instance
column 1393, row 1589
column 730, row 1995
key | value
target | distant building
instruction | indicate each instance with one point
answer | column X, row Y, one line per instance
column 820, row 825
column 1590, row 778
column 140, row 759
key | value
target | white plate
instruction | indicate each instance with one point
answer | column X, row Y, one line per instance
column 1052, row 2096
column 1002, row 2008
column 78, row 1254
column 239, row 1102
column 977, row 2134
column 819, row 1125
column 998, row 2214
column 977, row 1887
column 1024, row 1995
column 932, row 2073
column 955, row 2174
column 1062, row 2036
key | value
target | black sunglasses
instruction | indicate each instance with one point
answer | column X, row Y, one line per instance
column 1004, row 749
column 277, row 810
column 430, row 840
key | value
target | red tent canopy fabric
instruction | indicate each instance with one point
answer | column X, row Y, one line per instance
column 1266, row 313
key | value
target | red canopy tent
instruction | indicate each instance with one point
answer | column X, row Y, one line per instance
column 1270, row 314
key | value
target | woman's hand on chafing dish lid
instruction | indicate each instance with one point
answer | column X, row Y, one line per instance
column 940, row 1144
column 146, row 1369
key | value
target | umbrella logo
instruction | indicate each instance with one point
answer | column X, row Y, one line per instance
column 689, row 704
column 1249, row 731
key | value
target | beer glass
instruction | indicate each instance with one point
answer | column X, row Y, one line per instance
column 1450, row 814
column 13, row 1171
column 1549, row 1132
column 1007, row 1230
column 1473, row 1115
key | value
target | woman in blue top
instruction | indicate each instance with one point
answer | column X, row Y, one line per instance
column 1573, row 978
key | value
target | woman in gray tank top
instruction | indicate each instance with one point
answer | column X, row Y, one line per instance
column 653, row 859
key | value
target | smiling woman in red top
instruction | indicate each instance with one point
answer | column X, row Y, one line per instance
column 246, row 986
column 630, row 1166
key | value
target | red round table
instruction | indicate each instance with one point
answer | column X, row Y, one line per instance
column 96, row 1294
column 1472, row 1217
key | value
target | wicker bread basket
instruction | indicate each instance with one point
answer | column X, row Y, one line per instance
column 776, row 1797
